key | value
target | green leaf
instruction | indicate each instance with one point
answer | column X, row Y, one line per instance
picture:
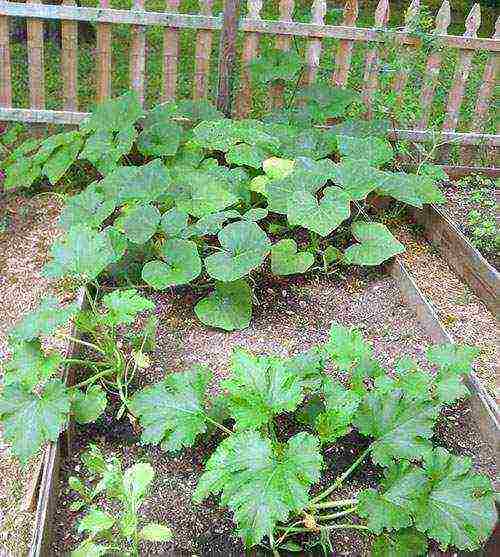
column 322, row 217
column 90, row 208
column 95, row 521
column 273, row 66
column 357, row 178
column 376, row 245
column 229, row 307
column 29, row 420
column 401, row 427
column 277, row 168
column 174, row 223
column 137, row 478
column 259, row 485
column 105, row 148
column 114, row 114
column 46, row 319
column 124, row 306
column 409, row 188
column 255, row 214
column 405, row 543
column 172, row 412
column 156, row 533
column 340, row 407
column 83, row 253
column 90, row 549
column 433, row 171
column 309, row 366
column 182, row 265
column 88, row 406
column 285, row 260
column 245, row 246
column 260, row 388
column 21, row 174
column 247, row 155
column 457, row 506
column 374, row 150
column 160, row 140
column 323, row 101
column 61, row 160
column 409, row 378
column 140, row 223
column 347, row 347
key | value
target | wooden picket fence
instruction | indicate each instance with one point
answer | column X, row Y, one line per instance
column 253, row 27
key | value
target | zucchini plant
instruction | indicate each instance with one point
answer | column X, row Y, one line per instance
column 185, row 196
column 265, row 476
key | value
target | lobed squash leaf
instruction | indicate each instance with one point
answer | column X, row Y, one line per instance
column 286, row 260
column 376, row 245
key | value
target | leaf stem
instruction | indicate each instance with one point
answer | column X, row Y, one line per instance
column 336, row 515
column 84, row 343
column 347, row 525
column 93, row 379
column 218, row 425
column 332, row 504
column 84, row 362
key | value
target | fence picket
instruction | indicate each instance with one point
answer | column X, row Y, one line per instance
column 372, row 60
column 443, row 20
column 313, row 51
column 170, row 55
column 250, row 51
column 138, row 56
column 202, row 55
column 401, row 77
column 103, row 58
column 5, row 67
column 283, row 42
column 344, row 52
column 69, row 61
column 36, row 77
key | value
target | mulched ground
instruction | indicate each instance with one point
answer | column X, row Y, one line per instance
column 288, row 320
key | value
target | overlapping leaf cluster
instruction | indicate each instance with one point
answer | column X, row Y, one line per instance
column 265, row 477
column 184, row 194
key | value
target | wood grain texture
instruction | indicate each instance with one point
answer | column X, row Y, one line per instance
column 69, row 61
column 431, row 74
column 313, row 50
column 170, row 56
column 282, row 42
column 344, row 52
column 372, row 60
column 5, row 64
column 250, row 51
column 138, row 56
column 36, row 74
column 103, row 58
column 202, row 55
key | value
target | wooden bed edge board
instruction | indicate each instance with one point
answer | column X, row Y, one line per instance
column 483, row 405
column 48, row 491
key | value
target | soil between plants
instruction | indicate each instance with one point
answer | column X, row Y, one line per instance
column 290, row 318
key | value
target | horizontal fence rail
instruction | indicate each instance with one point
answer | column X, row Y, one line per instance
column 253, row 27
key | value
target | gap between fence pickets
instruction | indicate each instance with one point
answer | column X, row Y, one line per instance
column 483, row 405
column 48, row 483
column 189, row 21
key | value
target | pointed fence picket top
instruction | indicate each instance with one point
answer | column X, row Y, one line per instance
column 283, row 42
column 372, row 60
column 170, row 55
column 69, row 61
column 103, row 58
column 443, row 20
column 344, row 52
column 202, row 55
column 313, row 51
column 250, row 51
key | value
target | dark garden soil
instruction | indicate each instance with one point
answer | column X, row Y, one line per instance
column 290, row 318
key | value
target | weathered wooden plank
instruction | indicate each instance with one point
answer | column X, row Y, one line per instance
column 458, row 138
column 401, row 77
column 202, row 55
column 372, row 60
column 41, row 116
column 227, row 56
column 186, row 21
column 69, row 61
column 138, row 56
column 283, row 42
column 5, row 67
column 344, row 52
column 103, row 58
column 313, row 51
column 170, row 56
column 36, row 74
column 491, row 71
column 431, row 75
column 250, row 51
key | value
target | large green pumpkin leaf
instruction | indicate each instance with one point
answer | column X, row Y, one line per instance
column 261, row 388
column 105, row 148
column 173, row 412
column 321, row 216
column 259, row 485
column 285, row 260
column 405, row 543
column 160, row 140
column 48, row 317
column 21, row 174
column 410, row 188
column 61, row 160
column 90, row 207
column 229, row 307
column 140, row 223
column 377, row 245
column 174, row 223
column 182, row 265
column 245, row 247
column 246, row 155
column 89, row 405
column 274, row 66
column 324, row 101
column 29, row 420
column 114, row 114
column 347, row 347
column 357, row 177
column 124, row 305
column 374, row 150
column 401, row 427
column 277, row 168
